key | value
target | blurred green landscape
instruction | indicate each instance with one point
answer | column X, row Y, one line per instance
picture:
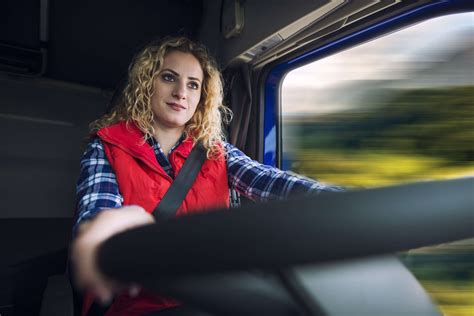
column 418, row 134
column 405, row 136
column 447, row 273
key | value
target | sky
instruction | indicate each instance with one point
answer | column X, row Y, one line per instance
column 388, row 57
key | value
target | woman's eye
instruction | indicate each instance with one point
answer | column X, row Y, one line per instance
column 193, row 85
column 168, row 77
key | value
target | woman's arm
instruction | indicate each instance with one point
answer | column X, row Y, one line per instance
column 97, row 187
column 100, row 215
column 260, row 182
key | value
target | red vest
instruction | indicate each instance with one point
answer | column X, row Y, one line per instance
column 142, row 181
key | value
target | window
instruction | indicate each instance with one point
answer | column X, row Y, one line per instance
column 393, row 110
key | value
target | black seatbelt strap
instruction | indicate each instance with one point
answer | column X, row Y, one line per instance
column 178, row 190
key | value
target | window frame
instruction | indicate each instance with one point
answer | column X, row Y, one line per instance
column 274, row 74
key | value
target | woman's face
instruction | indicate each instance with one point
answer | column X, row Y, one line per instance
column 177, row 90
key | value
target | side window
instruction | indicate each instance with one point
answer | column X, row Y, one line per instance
column 393, row 110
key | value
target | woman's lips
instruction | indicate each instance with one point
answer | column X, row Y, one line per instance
column 176, row 106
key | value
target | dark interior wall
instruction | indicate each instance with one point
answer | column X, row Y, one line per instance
column 42, row 126
column 19, row 22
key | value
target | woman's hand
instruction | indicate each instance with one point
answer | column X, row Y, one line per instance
column 90, row 235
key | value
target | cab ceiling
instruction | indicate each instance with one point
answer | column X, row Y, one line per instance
column 87, row 42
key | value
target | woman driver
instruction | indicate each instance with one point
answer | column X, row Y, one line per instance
column 172, row 100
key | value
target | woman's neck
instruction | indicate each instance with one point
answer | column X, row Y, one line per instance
column 167, row 137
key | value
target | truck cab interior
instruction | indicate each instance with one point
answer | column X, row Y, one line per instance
column 63, row 64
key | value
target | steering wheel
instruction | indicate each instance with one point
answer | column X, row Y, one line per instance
column 254, row 260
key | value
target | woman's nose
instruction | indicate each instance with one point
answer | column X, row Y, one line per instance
column 179, row 91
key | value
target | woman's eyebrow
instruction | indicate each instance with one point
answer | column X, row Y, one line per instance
column 177, row 74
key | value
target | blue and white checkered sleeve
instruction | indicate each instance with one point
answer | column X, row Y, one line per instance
column 97, row 187
column 260, row 182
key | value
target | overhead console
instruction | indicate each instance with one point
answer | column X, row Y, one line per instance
column 280, row 28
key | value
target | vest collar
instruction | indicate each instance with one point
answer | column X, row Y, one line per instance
column 128, row 137
column 184, row 149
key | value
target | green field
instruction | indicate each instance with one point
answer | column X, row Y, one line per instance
column 447, row 273
column 374, row 169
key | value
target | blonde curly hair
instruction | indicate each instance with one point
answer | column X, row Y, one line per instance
column 205, row 126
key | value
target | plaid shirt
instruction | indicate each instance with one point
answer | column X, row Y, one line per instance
column 97, row 187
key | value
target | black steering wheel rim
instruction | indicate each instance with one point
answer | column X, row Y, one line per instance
column 279, row 234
